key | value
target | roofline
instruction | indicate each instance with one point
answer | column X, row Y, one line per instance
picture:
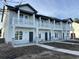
column 38, row 15
column 27, row 5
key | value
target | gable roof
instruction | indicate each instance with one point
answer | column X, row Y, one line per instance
column 17, row 6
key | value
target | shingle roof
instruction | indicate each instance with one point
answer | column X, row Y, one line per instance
column 17, row 6
column 37, row 15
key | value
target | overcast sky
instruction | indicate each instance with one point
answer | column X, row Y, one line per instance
column 55, row 8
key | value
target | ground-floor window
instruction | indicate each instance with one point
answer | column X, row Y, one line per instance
column 18, row 35
column 63, row 35
column 49, row 35
column 39, row 35
column 56, row 35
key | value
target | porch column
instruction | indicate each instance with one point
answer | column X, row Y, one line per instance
column 40, row 21
column 18, row 16
column 34, row 19
column 37, row 37
column 13, row 31
column 54, row 31
column 62, row 29
column 67, row 30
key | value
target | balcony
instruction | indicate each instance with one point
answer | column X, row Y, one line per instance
column 66, row 27
column 30, row 23
column 24, row 23
column 58, row 27
column 44, row 25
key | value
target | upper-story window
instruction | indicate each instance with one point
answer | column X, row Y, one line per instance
column 21, row 15
column 26, row 17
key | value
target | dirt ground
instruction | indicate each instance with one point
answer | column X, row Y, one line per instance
column 31, row 52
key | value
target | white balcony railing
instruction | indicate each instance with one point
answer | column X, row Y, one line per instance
column 24, row 22
column 37, row 23
column 58, row 27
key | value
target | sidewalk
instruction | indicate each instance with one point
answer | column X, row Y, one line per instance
column 76, row 53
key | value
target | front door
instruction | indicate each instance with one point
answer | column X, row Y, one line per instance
column 46, row 36
column 30, row 37
column 49, row 35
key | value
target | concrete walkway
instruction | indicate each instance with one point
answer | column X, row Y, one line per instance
column 69, row 43
column 59, row 49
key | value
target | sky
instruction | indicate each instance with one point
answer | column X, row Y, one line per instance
column 53, row 8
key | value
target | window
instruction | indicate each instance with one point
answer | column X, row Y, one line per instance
column 63, row 35
column 21, row 15
column 39, row 35
column 56, row 35
column 18, row 35
column 26, row 17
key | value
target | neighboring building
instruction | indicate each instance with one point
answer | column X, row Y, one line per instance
column 75, row 29
column 22, row 25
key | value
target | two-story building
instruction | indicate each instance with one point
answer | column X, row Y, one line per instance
column 22, row 24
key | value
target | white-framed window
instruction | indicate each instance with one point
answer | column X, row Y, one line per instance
column 21, row 15
column 26, row 17
column 39, row 35
column 56, row 35
column 18, row 35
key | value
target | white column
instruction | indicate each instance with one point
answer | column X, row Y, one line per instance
column 18, row 16
column 40, row 21
column 62, row 29
column 34, row 19
column 54, row 31
column 66, row 29
column 13, row 30
column 37, row 37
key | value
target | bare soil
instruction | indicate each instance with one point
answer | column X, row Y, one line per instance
column 31, row 52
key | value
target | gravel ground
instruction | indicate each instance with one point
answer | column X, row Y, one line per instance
column 31, row 52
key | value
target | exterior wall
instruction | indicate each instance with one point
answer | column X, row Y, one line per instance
column 13, row 24
column 42, row 32
column 25, row 35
